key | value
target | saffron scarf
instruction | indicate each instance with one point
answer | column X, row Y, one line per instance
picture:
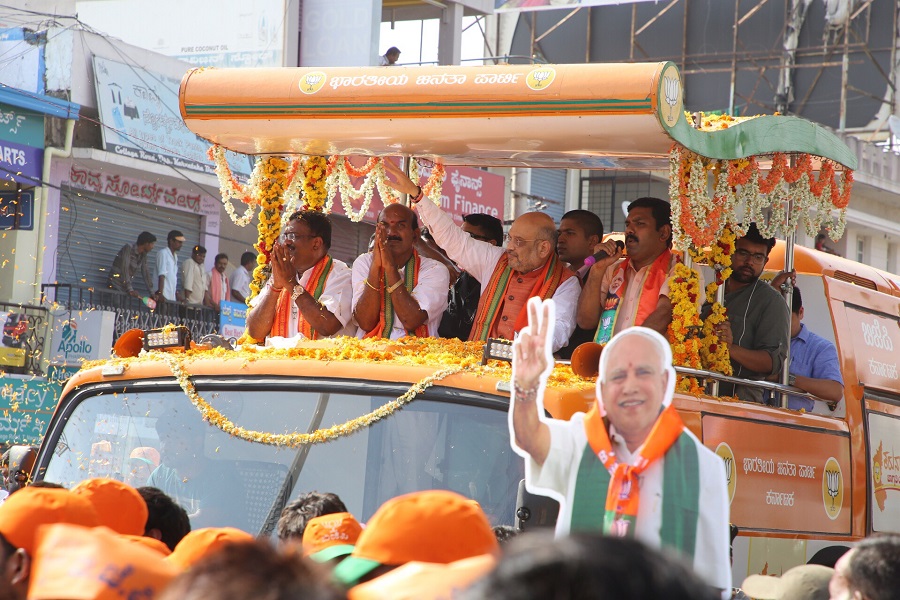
column 548, row 280
column 386, row 316
column 623, row 493
column 315, row 285
column 219, row 289
column 647, row 301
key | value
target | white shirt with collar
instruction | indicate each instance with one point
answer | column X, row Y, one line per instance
column 167, row 265
column 336, row 298
column 430, row 292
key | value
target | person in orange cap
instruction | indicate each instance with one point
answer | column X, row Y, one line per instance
column 119, row 506
column 20, row 517
column 434, row 526
column 425, row 581
column 78, row 563
column 141, row 462
column 203, row 542
column 330, row 538
column 149, row 542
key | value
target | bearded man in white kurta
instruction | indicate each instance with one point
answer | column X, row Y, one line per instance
column 629, row 467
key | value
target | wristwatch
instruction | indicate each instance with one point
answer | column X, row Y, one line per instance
column 792, row 380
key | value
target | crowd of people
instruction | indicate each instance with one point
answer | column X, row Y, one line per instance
column 105, row 539
column 426, row 276
column 194, row 285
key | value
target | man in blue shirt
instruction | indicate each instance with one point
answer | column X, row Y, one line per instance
column 814, row 362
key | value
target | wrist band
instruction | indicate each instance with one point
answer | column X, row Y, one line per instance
column 366, row 280
column 524, row 395
column 395, row 286
column 275, row 289
column 418, row 196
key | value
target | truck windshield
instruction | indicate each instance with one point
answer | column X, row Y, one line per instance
column 159, row 438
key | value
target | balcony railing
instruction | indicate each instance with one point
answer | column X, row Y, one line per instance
column 25, row 329
column 131, row 313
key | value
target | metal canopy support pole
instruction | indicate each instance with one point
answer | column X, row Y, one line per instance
column 787, row 289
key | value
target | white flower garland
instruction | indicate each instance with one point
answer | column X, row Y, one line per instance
column 365, row 191
column 230, row 189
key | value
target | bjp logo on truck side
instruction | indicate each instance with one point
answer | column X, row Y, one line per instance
column 540, row 78
column 832, row 488
column 312, row 82
column 724, row 452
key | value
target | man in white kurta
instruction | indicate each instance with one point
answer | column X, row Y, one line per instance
column 480, row 259
column 681, row 501
column 396, row 292
column 309, row 294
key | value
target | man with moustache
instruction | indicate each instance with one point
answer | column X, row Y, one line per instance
column 628, row 467
column 756, row 331
column 309, row 292
column 527, row 267
column 621, row 292
column 396, row 292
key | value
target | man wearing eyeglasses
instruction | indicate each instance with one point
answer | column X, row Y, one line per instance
column 526, row 267
column 756, row 330
column 309, row 293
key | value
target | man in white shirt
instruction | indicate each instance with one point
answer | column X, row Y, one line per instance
column 309, row 293
column 167, row 267
column 396, row 292
column 195, row 277
column 526, row 267
column 241, row 277
column 390, row 57
column 629, row 467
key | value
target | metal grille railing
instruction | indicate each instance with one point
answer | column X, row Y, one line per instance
column 25, row 329
column 131, row 313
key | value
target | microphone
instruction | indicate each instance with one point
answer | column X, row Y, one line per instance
column 590, row 260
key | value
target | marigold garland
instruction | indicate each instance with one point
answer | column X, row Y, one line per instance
column 450, row 356
column 699, row 219
column 274, row 172
column 684, row 329
column 433, row 188
column 292, row 440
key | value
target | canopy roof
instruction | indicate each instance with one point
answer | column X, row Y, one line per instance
column 595, row 116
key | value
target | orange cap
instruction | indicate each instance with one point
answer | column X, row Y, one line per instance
column 434, row 526
column 29, row 508
column 78, row 563
column 119, row 506
column 147, row 454
column 330, row 536
column 202, row 542
column 148, row 542
column 425, row 581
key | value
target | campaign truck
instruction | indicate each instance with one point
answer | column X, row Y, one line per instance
column 371, row 419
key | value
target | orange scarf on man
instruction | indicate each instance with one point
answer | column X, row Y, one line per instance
column 548, row 281
column 623, row 494
column 386, row 315
column 314, row 287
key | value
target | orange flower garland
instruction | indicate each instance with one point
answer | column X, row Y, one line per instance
column 684, row 291
column 699, row 220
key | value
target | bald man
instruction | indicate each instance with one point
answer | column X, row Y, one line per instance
column 628, row 467
column 526, row 267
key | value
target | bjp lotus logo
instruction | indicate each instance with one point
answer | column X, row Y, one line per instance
column 312, row 82
column 671, row 100
column 832, row 488
column 540, row 78
column 724, row 452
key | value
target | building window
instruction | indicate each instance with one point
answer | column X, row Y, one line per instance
column 861, row 249
column 608, row 197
